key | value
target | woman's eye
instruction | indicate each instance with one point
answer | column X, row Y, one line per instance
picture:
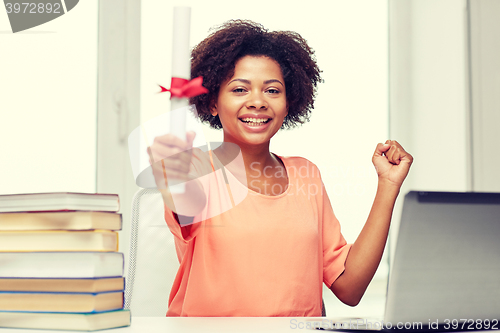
column 239, row 90
column 273, row 91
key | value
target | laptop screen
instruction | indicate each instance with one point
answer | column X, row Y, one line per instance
column 447, row 259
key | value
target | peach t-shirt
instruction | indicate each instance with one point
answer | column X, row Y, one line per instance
column 266, row 256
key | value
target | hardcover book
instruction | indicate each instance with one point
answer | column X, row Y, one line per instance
column 60, row 302
column 34, row 202
column 95, row 285
column 38, row 241
column 61, row 264
column 65, row 321
column 61, row 220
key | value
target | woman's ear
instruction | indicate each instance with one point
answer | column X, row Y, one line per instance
column 213, row 110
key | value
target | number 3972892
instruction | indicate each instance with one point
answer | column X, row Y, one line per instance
column 33, row 8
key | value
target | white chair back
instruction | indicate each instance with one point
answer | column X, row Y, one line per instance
column 153, row 261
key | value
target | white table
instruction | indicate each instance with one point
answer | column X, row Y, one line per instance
column 207, row 325
column 215, row 325
column 188, row 325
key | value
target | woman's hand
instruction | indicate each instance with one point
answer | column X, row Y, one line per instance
column 170, row 158
column 392, row 162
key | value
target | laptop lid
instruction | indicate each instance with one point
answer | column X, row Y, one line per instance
column 446, row 267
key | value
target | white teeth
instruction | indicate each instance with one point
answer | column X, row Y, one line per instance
column 254, row 120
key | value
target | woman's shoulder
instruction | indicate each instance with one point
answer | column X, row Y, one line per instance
column 300, row 166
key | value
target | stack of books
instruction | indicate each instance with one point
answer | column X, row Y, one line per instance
column 59, row 265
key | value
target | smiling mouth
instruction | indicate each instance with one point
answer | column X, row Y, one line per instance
column 255, row 121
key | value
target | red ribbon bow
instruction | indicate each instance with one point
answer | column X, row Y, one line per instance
column 185, row 88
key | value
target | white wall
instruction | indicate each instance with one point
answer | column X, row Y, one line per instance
column 429, row 93
column 118, row 104
column 350, row 116
column 485, row 94
column 48, row 89
column 435, row 76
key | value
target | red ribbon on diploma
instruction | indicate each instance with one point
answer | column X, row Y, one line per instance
column 185, row 88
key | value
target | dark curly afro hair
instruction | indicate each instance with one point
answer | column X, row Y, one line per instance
column 215, row 57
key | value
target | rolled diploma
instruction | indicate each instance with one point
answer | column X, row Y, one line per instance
column 181, row 68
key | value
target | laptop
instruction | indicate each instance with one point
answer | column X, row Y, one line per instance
column 446, row 270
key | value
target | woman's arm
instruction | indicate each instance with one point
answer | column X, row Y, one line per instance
column 170, row 158
column 392, row 163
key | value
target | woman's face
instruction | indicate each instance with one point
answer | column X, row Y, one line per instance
column 252, row 103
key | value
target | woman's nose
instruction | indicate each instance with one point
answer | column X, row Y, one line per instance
column 256, row 101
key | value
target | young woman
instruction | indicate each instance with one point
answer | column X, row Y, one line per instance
column 265, row 253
